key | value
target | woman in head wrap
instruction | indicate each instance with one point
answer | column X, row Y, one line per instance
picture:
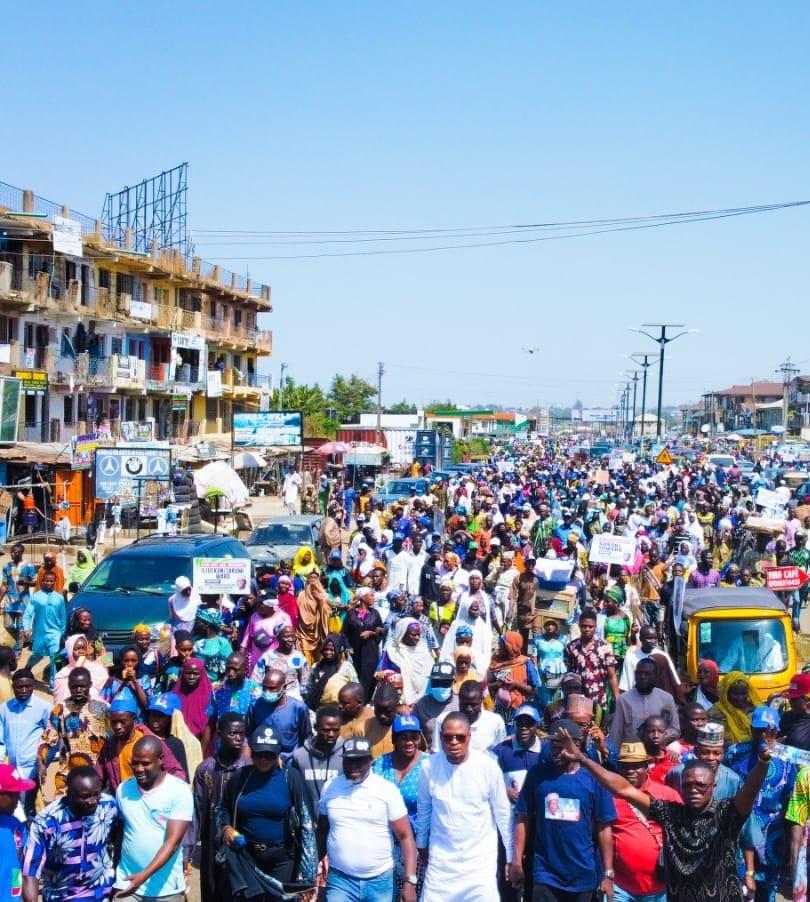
column 286, row 599
column 409, row 656
column 450, row 568
column 184, row 648
column 304, row 563
column 617, row 624
column 77, row 649
column 194, row 690
column 80, row 620
column 213, row 649
column 83, row 567
column 260, row 632
column 706, row 693
column 126, row 680
column 736, row 704
column 476, row 618
column 330, row 674
column 314, row 609
column 340, row 596
column 183, row 604
column 463, row 663
column 363, row 565
column 512, row 677
column 363, row 630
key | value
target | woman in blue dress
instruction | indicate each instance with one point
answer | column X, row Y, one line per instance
column 548, row 652
column 402, row 768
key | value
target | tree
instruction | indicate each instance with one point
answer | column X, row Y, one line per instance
column 350, row 397
column 401, row 407
column 312, row 402
column 441, row 405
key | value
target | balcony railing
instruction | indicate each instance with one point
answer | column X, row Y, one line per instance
column 186, row 374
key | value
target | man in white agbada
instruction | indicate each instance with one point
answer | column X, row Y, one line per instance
column 292, row 491
column 462, row 807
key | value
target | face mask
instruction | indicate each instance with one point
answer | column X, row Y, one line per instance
column 271, row 696
column 441, row 694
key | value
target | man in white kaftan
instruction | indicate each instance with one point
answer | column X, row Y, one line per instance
column 462, row 807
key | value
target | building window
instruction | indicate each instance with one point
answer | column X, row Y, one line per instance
column 68, row 414
column 211, row 409
column 104, row 278
column 237, row 361
column 124, row 284
column 82, row 408
column 30, row 410
column 116, row 346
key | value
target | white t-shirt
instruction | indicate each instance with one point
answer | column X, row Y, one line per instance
column 146, row 816
column 359, row 842
column 487, row 731
column 292, row 486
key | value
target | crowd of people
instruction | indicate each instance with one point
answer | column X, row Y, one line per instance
column 403, row 712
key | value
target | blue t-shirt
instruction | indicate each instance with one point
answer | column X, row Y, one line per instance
column 565, row 808
column 12, row 842
column 263, row 807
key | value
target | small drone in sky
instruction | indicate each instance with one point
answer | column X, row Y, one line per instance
column 531, row 350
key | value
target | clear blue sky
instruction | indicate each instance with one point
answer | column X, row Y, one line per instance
column 305, row 116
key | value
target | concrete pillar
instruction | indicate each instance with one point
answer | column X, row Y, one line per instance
column 28, row 201
column 234, row 278
column 155, row 249
column 196, row 265
column 266, row 292
column 217, row 274
column 66, row 212
column 98, row 231
column 249, row 286
column 128, row 239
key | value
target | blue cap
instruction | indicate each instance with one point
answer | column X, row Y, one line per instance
column 435, row 549
column 406, row 723
column 528, row 711
column 765, row 718
column 398, row 537
column 124, row 704
column 394, row 594
column 335, row 554
column 165, row 704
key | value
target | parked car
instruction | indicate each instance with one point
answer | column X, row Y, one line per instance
column 400, row 489
column 280, row 538
column 133, row 584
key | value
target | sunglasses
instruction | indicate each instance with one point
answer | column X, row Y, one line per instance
column 454, row 737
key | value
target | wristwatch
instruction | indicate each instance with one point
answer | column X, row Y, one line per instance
column 610, row 873
column 411, row 879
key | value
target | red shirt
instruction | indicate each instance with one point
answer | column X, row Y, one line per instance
column 635, row 852
column 660, row 767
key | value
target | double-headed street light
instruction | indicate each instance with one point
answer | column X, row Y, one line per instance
column 662, row 340
column 645, row 361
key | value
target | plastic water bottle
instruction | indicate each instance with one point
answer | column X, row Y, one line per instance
column 238, row 840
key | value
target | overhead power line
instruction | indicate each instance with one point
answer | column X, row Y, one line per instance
column 550, row 231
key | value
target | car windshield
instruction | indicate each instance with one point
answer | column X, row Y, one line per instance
column 139, row 573
column 399, row 487
column 281, row 534
column 720, row 460
column 752, row 646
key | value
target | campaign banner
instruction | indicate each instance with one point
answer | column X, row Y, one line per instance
column 607, row 549
column 769, row 499
column 215, row 575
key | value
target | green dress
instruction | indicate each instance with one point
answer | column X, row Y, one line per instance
column 617, row 631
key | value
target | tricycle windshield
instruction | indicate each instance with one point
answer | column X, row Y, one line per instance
column 752, row 646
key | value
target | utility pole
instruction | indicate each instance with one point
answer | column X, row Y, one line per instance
column 788, row 370
column 380, row 372
column 647, row 360
column 662, row 340
column 633, row 421
column 281, row 387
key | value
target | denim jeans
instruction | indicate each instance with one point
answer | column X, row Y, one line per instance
column 621, row 895
column 341, row 887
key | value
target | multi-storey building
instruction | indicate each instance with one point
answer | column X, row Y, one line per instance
column 114, row 341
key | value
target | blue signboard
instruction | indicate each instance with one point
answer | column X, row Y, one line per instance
column 268, row 429
column 119, row 471
column 425, row 445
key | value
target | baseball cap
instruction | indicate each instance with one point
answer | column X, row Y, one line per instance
column 495, row 541
column 435, row 549
column 335, row 555
column 165, row 704
column 443, row 672
column 573, row 728
column 765, row 718
column 398, row 537
column 799, row 686
column 406, row 723
column 357, row 748
column 265, row 739
column 361, row 518
column 528, row 711
column 12, row 781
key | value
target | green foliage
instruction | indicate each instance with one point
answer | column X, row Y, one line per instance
column 471, row 448
column 350, row 397
column 441, row 405
column 312, row 402
column 401, row 407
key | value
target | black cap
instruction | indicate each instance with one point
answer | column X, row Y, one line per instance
column 357, row 748
column 574, row 729
column 442, row 672
column 265, row 739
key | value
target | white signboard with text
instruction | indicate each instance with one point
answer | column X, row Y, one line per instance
column 607, row 549
column 215, row 575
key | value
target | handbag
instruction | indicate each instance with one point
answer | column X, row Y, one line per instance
column 660, row 868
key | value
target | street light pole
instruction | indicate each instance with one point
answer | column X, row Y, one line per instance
column 662, row 341
column 647, row 360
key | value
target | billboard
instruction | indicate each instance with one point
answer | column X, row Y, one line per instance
column 594, row 415
column 118, row 471
column 268, row 429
